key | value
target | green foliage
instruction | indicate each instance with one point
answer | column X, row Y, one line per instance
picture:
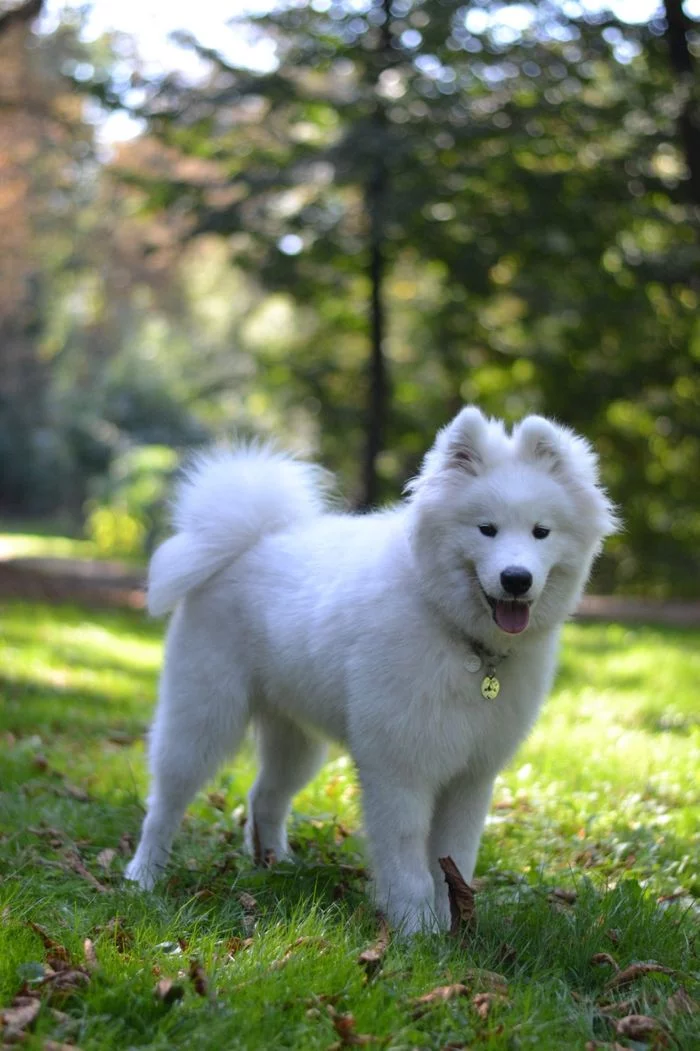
column 538, row 225
column 602, row 802
column 542, row 245
column 127, row 513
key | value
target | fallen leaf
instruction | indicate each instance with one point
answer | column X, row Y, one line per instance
column 75, row 792
column 90, row 956
column 561, row 894
column 621, row 1007
column 74, row 862
column 56, row 950
column 126, row 845
column 440, row 995
column 217, row 800
column 639, row 1027
column 461, row 896
column 20, row 1016
column 344, row 1025
column 55, row 1045
column 66, row 981
column 250, row 908
column 600, row 958
column 105, row 858
column 116, row 930
column 483, row 1002
column 371, row 958
column 198, row 978
column 236, row 944
column 636, row 970
column 490, row 981
column 168, row 992
column 681, row 1003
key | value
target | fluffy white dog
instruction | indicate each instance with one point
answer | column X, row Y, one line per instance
column 423, row 637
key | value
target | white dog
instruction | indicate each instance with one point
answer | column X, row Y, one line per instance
column 423, row 637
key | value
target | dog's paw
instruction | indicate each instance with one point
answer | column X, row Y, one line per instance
column 144, row 875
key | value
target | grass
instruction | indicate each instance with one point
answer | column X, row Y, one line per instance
column 602, row 803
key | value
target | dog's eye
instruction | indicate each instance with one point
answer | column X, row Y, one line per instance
column 540, row 533
column 488, row 530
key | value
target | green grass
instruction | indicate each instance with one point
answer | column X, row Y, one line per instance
column 602, row 801
column 44, row 540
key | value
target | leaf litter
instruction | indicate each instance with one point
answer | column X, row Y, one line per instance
column 461, row 897
column 372, row 957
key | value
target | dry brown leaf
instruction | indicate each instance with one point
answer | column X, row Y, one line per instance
column 75, row 792
column 198, row 978
column 56, row 950
column 600, row 958
column 371, row 957
column 235, row 944
column 90, row 956
column 489, row 981
column 74, row 862
column 483, row 1002
column 66, row 981
column 620, row 1007
column 126, row 845
column 20, row 1016
column 636, row 970
column 248, row 902
column 168, row 992
column 461, row 895
column 639, row 1027
column 116, row 930
column 344, row 1025
column 55, row 1045
column 563, row 895
column 105, row 858
column 440, row 995
column 681, row 1003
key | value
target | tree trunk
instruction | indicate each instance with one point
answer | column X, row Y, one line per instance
column 682, row 64
column 375, row 202
column 377, row 373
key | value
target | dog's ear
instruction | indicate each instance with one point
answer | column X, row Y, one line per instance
column 463, row 441
column 543, row 442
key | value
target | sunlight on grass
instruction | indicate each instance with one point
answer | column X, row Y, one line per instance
column 35, row 545
column 603, row 799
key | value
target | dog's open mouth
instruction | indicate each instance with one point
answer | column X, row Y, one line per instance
column 511, row 615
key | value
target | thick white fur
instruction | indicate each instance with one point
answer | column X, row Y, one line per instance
column 317, row 625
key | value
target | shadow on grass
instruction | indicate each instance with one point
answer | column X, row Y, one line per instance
column 87, row 715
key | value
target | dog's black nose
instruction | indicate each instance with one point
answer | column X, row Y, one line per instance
column 516, row 580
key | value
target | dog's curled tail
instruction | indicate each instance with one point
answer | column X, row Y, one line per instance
column 226, row 501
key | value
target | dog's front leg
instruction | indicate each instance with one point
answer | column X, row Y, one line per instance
column 397, row 820
column 457, row 825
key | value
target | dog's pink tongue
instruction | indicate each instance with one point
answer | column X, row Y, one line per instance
column 511, row 616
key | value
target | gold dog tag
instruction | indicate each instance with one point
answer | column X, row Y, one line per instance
column 490, row 687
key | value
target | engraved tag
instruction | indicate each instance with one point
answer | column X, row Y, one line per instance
column 473, row 663
column 490, row 687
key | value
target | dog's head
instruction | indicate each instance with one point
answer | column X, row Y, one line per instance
column 506, row 526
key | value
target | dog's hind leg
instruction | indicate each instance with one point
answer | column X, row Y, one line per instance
column 289, row 757
column 200, row 720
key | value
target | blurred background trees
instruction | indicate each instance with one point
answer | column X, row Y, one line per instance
column 419, row 203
